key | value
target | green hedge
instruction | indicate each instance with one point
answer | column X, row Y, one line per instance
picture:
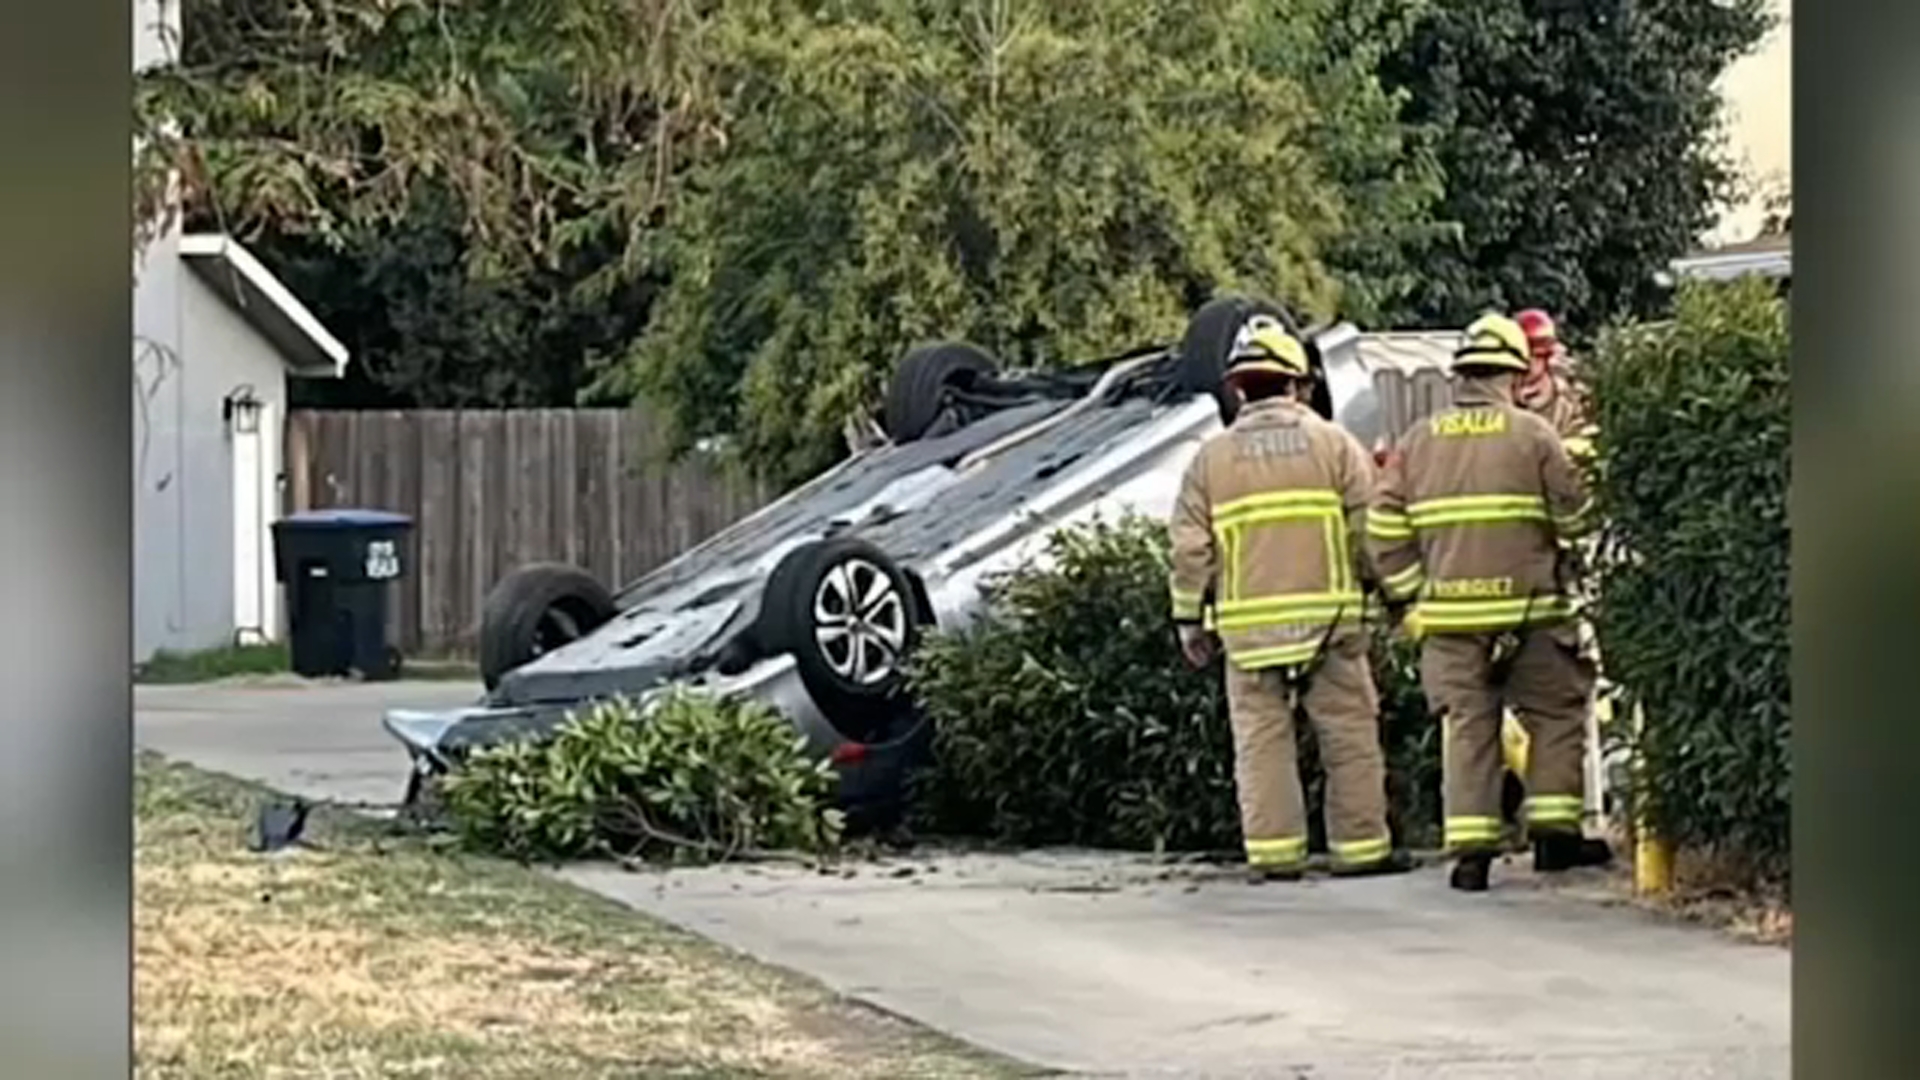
column 1692, row 615
column 698, row 779
column 1066, row 715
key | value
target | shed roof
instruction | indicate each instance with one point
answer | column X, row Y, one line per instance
column 247, row 286
column 1768, row 256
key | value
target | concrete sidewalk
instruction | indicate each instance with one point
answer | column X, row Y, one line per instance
column 1111, row 965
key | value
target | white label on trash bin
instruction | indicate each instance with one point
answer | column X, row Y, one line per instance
column 383, row 561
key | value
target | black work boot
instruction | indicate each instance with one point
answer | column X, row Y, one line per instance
column 1396, row 862
column 1260, row 875
column 1555, row 853
column 1471, row 871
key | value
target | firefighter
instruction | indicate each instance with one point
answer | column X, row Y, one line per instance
column 1266, row 545
column 1548, row 387
column 1467, row 527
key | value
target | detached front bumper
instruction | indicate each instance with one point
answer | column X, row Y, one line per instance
column 435, row 739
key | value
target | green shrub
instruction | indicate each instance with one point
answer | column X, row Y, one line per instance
column 1066, row 715
column 1692, row 613
column 694, row 779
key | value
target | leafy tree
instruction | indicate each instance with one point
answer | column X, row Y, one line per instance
column 1578, row 144
column 1052, row 180
column 474, row 181
column 1385, row 167
column 429, row 332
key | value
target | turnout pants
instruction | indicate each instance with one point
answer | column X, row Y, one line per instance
column 1549, row 683
column 1341, row 703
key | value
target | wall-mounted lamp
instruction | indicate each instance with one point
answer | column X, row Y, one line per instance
column 241, row 411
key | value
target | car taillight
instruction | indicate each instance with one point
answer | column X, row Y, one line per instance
column 848, row 753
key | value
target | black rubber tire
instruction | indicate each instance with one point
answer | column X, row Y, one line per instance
column 786, row 624
column 1208, row 342
column 537, row 608
column 916, row 395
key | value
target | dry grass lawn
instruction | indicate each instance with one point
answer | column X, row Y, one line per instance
column 380, row 955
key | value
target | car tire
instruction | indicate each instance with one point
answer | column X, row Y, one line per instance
column 535, row 609
column 849, row 617
column 1208, row 343
column 917, row 395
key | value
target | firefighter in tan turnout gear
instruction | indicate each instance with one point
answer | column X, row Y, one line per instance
column 1468, row 526
column 1547, row 387
column 1265, row 538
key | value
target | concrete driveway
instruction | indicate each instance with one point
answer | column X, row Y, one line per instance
column 1112, row 965
column 322, row 740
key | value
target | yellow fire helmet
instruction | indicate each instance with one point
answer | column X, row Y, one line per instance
column 1263, row 347
column 1493, row 341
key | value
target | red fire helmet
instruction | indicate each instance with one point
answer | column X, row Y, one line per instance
column 1538, row 326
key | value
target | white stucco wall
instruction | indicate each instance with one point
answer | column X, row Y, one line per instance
column 184, row 521
column 160, row 489
column 159, row 506
column 1758, row 95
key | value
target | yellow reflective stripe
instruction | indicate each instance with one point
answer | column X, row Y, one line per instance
column 1277, row 851
column 1186, row 604
column 1472, row 831
column 1450, row 503
column 1277, row 514
column 1553, row 809
column 1475, row 615
column 1292, row 601
column 1278, row 656
column 1406, row 582
column 1360, row 852
column 1325, row 498
column 1476, row 510
column 1388, row 525
column 1224, row 536
column 1478, row 517
column 1296, row 617
column 1341, row 553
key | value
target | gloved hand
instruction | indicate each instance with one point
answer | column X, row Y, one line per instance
column 1197, row 645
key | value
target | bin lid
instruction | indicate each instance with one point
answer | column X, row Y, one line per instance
column 345, row 518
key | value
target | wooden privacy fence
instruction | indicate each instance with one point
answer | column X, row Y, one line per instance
column 489, row 490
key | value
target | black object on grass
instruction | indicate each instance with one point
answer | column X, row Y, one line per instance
column 280, row 825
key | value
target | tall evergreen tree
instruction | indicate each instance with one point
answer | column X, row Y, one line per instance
column 1579, row 143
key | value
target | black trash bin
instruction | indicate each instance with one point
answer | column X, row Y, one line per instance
column 337, row 566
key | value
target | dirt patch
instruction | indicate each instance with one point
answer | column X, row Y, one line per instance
column 1706, row 892
column 380, row 955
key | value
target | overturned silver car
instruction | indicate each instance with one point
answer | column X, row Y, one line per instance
column 812, row 603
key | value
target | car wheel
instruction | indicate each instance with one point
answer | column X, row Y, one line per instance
column 918, row 397
column 1208, row 342
column 536, row 609
column 850, row 617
